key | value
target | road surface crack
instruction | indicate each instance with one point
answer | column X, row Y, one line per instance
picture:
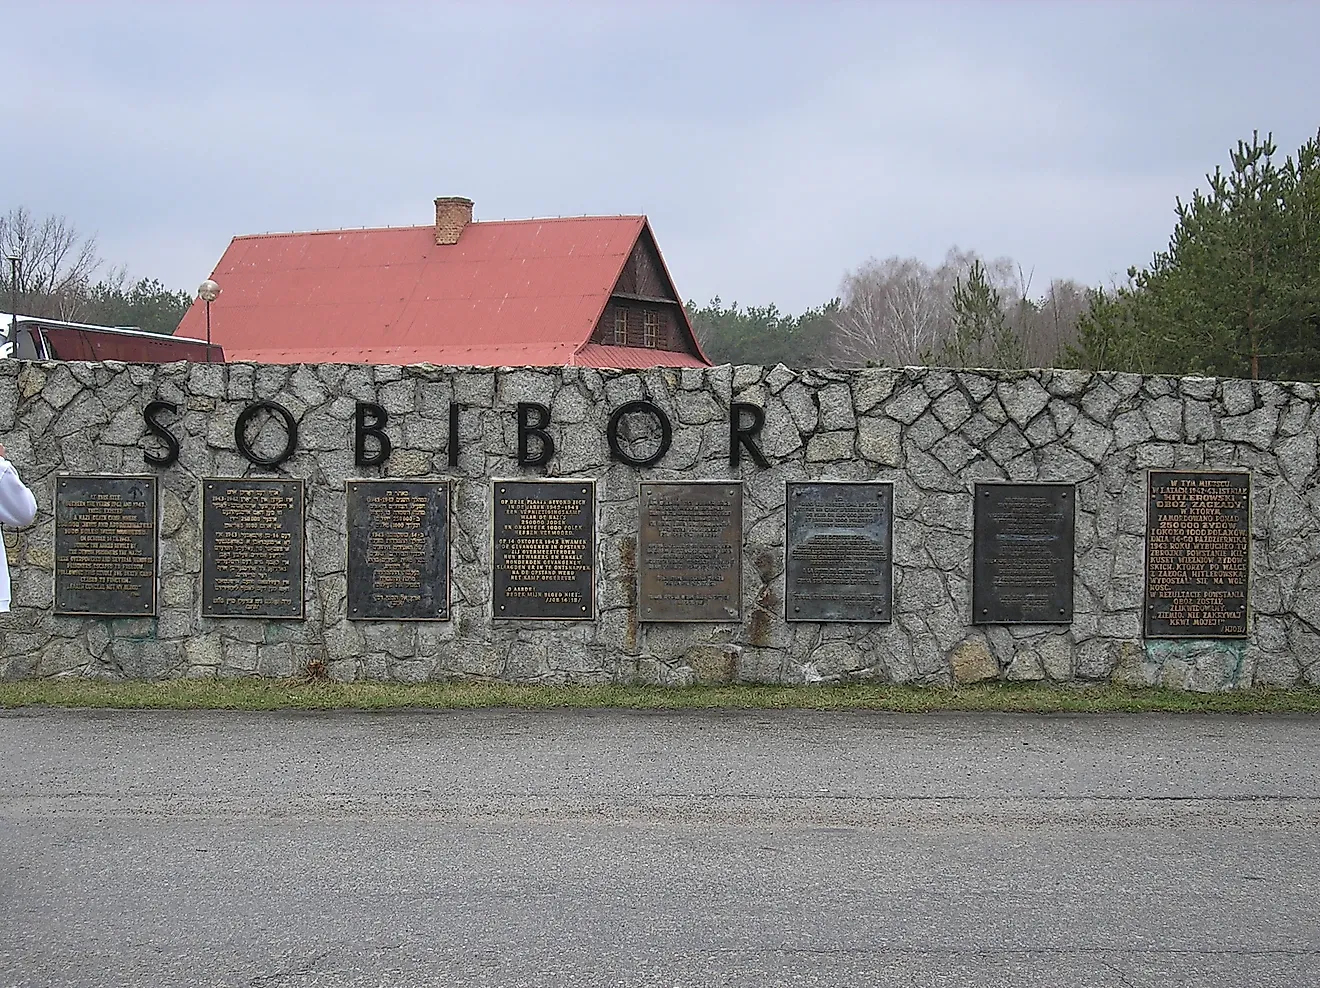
column 275, row 977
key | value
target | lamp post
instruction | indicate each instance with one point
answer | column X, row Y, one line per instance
column 13, row 305
column 208, row 292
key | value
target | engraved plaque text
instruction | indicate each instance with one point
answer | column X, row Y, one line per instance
column 544, row 549
column 105, row 545
column 1022, row 554
column 398, row 550
column 1198, row 548
column 252, row 548
column 838, row 552
column 689, row 563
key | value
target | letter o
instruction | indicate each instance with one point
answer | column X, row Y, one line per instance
column 612, row 434
column 290, row 429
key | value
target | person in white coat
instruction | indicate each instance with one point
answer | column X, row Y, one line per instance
column 17, row 508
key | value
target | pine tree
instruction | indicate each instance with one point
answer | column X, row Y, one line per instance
column 982, row 336
column 1237, row 292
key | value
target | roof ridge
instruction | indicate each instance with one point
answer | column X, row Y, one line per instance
column 430, row 226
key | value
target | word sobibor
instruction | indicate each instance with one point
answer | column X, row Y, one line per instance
column 370, row 419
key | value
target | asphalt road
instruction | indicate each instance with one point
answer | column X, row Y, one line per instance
column 674, row 849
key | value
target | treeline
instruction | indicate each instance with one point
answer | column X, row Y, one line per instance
column 59, row 275
column 901, row 312
column 1236, row 294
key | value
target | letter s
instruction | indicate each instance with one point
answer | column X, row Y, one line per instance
column 171, row 454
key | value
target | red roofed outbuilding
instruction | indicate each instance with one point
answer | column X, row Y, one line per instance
column 591, row 291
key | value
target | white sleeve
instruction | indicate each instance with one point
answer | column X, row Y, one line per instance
column 17, row 505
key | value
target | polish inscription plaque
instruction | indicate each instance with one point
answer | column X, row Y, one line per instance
column 1198, row 554
column 689, row 565
column 1022, row 554
column 544, row 553
column 398, row 550
column 252, row 548
column 105, row 545
column 839, row 564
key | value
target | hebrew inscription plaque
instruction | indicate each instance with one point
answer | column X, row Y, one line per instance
column 1022, row 554
column 1198, row 549
column 252, row 548
column 398, row 550
column 545, row 550
column 839, row 564
column 105, row 545
column 689, row 565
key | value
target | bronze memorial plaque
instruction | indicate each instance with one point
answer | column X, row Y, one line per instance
column 252, row 548
column 105, row 545
column 544, row 560
column 838, row 542
column 398, row 550
column 1198, row 554
column 1022, row 554
column 689, row 556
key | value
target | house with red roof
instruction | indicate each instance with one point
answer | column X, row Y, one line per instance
column 591, row 291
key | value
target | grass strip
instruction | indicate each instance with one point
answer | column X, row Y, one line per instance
column 268, row 694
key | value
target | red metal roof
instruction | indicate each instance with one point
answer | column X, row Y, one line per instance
column 520, row 292
column 506, row 355
column 597, row 355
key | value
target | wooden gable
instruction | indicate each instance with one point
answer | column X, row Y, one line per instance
column 644, row 309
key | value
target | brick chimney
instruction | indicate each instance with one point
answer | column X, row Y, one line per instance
column 452, row 213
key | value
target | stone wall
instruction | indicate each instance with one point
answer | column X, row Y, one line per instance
column 932, row 432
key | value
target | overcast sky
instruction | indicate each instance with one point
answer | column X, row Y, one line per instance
column 774, row 146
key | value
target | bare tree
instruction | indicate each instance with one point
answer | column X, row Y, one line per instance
column 891, row 312
column 56, row 264
column 900, row 311
column 1047, row 325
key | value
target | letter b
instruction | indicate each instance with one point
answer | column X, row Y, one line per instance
column 375, row 429
column 528, row 428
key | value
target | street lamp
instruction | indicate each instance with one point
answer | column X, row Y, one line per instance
column 13, row 304
column 208, row 292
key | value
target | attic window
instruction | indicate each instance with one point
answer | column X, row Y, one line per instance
column 650, row 328
column 620, row 327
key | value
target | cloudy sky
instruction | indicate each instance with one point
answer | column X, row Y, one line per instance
column 775, row 146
